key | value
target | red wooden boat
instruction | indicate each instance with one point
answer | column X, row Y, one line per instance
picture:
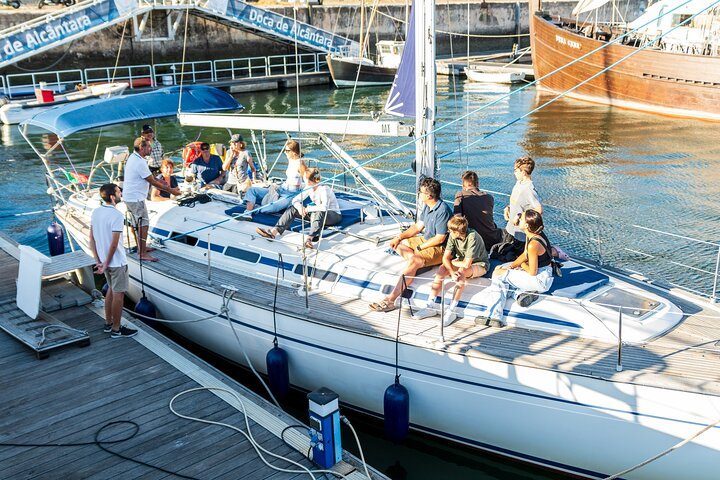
column 653, row 80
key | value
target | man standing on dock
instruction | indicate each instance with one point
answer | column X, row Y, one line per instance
column 136, row 183
column 106, row 229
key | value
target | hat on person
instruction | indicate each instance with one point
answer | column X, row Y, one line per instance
column 147, row 129
column 236, row 138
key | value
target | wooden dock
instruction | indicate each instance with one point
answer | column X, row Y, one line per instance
column 69, row 396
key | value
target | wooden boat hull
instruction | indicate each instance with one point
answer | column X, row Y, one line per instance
column 650, row 80
column 344, row 73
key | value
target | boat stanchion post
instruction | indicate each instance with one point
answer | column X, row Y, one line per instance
column 208, row 257
column 442, row 310
column 714, row 298
column 619, row 367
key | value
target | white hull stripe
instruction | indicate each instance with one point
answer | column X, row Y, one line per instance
column 422, row 372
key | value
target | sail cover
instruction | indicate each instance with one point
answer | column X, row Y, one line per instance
column 69, row 118
column 401, row 101
column 588, row 5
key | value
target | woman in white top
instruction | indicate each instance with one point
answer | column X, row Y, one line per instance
column 323, row 211
column 290, row 187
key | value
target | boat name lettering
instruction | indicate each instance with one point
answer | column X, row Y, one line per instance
column 570, row 43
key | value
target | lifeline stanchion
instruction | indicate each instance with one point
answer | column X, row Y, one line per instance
column 619, row 367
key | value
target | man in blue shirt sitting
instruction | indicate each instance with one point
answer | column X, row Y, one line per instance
column 208, row 169
column 424, row 250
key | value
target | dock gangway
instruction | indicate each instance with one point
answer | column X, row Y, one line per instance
column 71, row 23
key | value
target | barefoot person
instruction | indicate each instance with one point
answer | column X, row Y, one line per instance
column 106, row 231
column 465, row 257
column 419, row 251
column 136, row 183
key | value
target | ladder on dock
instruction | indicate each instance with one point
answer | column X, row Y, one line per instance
column 60, row 27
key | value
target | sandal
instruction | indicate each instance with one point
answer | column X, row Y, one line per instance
column 265, row 233
column 383, row 306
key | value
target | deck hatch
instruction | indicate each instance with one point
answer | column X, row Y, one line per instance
column 632, row 304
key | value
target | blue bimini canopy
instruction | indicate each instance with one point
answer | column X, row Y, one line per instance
column 64, row 120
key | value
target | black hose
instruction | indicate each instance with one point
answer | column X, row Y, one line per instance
column 101, row 444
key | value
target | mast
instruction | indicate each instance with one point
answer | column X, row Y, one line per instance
column 362, row 29
column 425, row 79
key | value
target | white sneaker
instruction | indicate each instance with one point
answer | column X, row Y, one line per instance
column 426, row 312
column 449, row 318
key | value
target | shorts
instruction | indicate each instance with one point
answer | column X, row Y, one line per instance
column 118, row 278
column 431, row 255
column 138, row 213
column 473, row 271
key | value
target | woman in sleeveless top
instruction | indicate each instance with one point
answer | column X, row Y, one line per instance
column 530, row 272
column 166, row 176
column 290, row 187
column 237, row 161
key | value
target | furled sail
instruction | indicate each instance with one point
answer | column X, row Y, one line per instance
column 401, row 101
column 588, row 5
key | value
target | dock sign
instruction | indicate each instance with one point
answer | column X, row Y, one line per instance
column 55, row 32
column 281, row 26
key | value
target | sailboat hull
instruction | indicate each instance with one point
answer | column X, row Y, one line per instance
column 568, row 422
column 650, row 80
column 344, row 73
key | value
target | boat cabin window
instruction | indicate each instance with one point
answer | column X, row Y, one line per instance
column 186, row 239
column 316, row 273
column 241, row 254
column 680, row 18
column 636, row 306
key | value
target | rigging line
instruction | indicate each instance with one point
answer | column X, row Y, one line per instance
column 665, row 452
column 297, row 65
column 592, row 77
column 457, row 34
column 363, row 49
column 454, row 82
column 487, row 105
column 182, row 68
column 467, row 97
column 112, row 80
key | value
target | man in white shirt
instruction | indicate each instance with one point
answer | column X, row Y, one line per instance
column 106, row 228
column 323, row 211
column 136, row 184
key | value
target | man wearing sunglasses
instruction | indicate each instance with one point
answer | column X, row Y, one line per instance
column 208, row 169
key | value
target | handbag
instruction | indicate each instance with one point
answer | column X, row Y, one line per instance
column 554, row 264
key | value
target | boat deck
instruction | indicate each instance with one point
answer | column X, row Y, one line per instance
column 68, row 397
column 686, row 358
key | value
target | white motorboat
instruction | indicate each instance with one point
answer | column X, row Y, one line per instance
column 494, row 75
column 603, row 372
column 17, row 111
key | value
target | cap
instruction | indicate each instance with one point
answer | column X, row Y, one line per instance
column 147, row 129
column 235, row 138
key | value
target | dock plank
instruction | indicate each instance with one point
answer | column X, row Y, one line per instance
column 68, row 397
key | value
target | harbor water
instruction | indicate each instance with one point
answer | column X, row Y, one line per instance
column 627, row 189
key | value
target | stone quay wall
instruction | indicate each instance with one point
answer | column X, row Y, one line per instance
column 489, row 21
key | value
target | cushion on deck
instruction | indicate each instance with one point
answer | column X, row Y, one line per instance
column 575, row 282
column 350, row 216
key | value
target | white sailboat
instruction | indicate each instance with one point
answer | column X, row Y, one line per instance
column 549, row 389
